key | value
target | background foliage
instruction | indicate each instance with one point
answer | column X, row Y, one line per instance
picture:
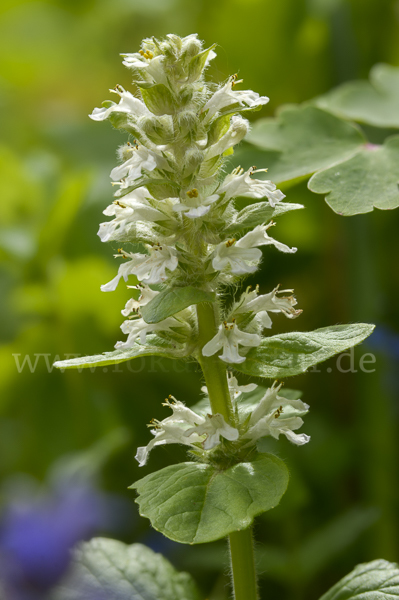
column 57, row 60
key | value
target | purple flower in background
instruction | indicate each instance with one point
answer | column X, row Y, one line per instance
column 36, row 537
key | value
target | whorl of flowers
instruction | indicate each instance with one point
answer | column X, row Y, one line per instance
column 173, row 217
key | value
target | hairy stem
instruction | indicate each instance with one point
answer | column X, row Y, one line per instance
column 215, row 374
column 213, row 368
column 243, row 565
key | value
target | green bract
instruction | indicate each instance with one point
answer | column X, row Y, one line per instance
column 104, row 568
column 194, row 503
column 173, row 300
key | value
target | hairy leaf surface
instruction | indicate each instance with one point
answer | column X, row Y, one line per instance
column 155, row 346
column 194, row 503
column 171, row 301
column 289, row 354
column 105, row 569
column 257, row 214
column 376, row 580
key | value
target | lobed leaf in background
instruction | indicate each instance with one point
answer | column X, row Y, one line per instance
column 316, row 139
column 375, row 102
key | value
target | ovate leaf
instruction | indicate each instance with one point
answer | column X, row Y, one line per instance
column 368, row 180
column 171, row 301
column 303, row 140
column 257, row 214
column 105, row 569
column 375, row 102
column 376, row 580
column 155, row 346
column 289, row 354
column 194, row 503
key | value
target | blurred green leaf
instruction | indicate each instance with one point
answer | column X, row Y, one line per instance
column 60, row 218
column 302, row 140
column 194, row 503
column 368, row 180
column 293, row 353
column 375, row 580
column 155, row 346
column 320, row 548
column 106, row 568
column 375, row 102
column 171, row 301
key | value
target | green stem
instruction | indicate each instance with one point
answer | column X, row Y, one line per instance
column 243, row 565
column 214, row 370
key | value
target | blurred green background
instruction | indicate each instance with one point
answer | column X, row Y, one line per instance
column 58, row 58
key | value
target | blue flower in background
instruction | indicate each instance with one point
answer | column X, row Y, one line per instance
column 36, row 537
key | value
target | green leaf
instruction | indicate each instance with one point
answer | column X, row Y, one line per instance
column 194, row 503
column 158, row 99
column 376, row 580
column 173, row 300
column 375, row 102
column 257, row 214
column 303, row 140
column 367, row 180
column 155, row 346
column 105, row 568
column 289, row 354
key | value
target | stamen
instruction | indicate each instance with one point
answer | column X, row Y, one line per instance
column 230, row 243
column 192, row 193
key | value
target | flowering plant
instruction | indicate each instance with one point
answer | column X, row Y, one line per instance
column 181, row 236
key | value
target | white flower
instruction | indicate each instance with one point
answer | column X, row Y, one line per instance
column 127, row 104
column 239, row 183
column 261, row 305
column 146, row 295
column 240, row 260
column 229, row 337
column 259, row 237
column 196, row 205
column 226, row 96
column 213, row 427
column 149, row 268
column 186, row 427
column 237, row 131
column 242, row 256
column 151, row 67
column 131, row 169
column 167, row 433
column 276, row 415
column 133, row 207
column 135, row 328
column 235, row 389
